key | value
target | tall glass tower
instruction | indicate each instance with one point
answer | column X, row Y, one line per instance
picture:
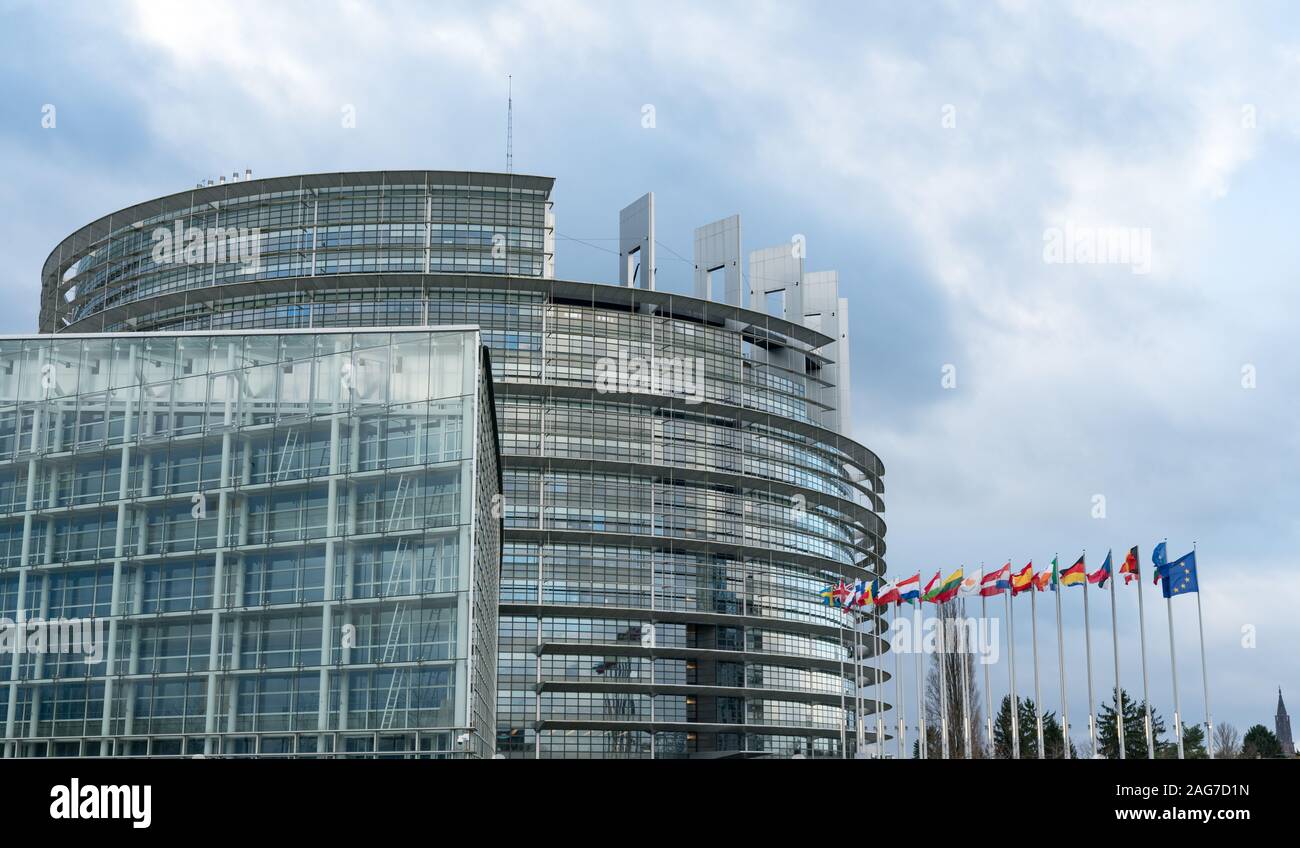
column 248, row 544
column 678, row 480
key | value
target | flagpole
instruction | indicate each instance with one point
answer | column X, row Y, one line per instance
column 988, row 690
column 860, row 720
column 1173, row 657
column 1038, row 692
column 868, row 674
column 862, row 686
column 1011, row 667
column 1142, row 638
column 1060, row 661
column 1087, row 643
column 857, row 685
column 880, row 670
column 943, row 679
column 1173, row 666
column 844, row 710
column 922, row 743
column 898, row 685
column 1114, row 641
column 965, row 686
column 1205, row 676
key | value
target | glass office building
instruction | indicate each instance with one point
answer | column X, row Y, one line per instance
column 257, row 543
column 664, row 541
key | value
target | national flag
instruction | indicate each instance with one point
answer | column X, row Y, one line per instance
column 910, row 589
column 997, row 582
column 1159, row 560
column 887, row 594
column 1023, row 580
column 842, row 593
column 863, row 594
column 828, row 595
column 950, row 587
column 1047, row 579
column 1075, row 575
column 933, row 588
column 970, row 585
column 1101, row 575
column 1180, row 576
column 868, row 598
column 856, row 594
column 1130, row 566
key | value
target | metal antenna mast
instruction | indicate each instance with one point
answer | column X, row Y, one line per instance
column 510, row 125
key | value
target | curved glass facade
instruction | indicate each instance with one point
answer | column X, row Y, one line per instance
column 664, row 545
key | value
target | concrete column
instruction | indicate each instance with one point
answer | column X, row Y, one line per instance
column 105, row 725
column 133, row 663
column 349, row 580
column 12, row 713
column 349, row 560
column 236, row 638
column 24, row 566
column 218, row 593
column 25, row 558
column 115, row 596
column 39, row 671
column 327, row 607
column 211, row 743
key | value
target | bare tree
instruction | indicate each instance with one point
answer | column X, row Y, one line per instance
column 1227, row 742
column 951, row 616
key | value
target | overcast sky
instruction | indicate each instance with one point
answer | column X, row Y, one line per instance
column 928, row 152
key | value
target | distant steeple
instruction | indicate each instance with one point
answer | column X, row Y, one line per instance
column 1283, row 726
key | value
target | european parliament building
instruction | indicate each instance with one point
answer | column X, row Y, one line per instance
column 678, row 484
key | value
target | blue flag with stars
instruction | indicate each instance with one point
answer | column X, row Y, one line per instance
column 1180, row 576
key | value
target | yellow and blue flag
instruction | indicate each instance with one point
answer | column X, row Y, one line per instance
column 1180, row 576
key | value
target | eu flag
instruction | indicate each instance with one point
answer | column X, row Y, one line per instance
column 1180, row 576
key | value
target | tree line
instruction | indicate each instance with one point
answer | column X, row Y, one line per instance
column 951, row 687
column 1257, row 743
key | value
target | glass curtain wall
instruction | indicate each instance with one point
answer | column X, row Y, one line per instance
column 261, row 544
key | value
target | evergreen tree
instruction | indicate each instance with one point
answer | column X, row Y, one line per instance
column 1260, row 742
column 1194, row 743
column 1135, row 736
column 1028, row 732
column 1054, row 749
column 1002, row 730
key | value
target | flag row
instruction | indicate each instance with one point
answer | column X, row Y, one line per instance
column 1175, row 578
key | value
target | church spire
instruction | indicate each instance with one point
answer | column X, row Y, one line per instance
column 1283, row 726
